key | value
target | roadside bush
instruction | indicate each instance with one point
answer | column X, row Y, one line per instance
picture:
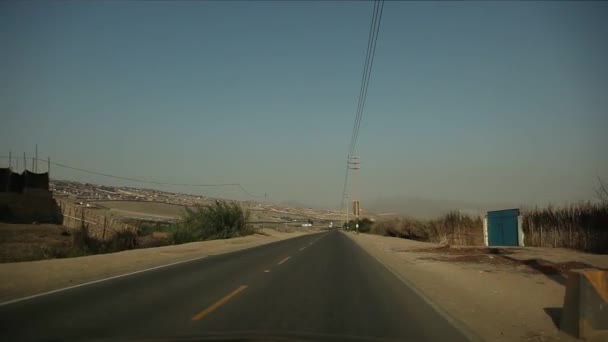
column 120, row 241
column 406, row 228
column 451, row 228
column 457, row 229
column 85, row 244
column 219, row 220
column 365, row 225
column 146, row 229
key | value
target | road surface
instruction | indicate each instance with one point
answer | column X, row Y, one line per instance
column 314, row 287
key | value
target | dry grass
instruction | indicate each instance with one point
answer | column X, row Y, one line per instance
column 25, row 242
column 142, row 208
column 451, row 228
column 582, row 226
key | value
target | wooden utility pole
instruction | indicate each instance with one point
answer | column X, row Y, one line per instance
column 10, row 159
column 82, row 217
column 48, row 167
column 36, row 164
column 24, row 162
column 103, row 235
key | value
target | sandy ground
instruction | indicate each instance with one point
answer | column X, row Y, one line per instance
column 142, row 209
column 493, row 294
column 22, row 279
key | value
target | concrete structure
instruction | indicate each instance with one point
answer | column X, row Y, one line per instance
column 585, row 312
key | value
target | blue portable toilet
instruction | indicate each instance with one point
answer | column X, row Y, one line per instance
column 502, row 228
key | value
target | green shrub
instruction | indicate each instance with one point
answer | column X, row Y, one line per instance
column 365, row 225
column 146, row 229
column 219, row 220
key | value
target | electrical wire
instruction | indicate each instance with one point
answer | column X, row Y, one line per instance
column 367, row 69
column 237, row 185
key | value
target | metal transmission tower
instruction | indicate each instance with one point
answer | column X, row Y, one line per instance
column 354, row 164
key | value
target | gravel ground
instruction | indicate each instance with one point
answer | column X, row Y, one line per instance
column 20, row 279
column 491, row 292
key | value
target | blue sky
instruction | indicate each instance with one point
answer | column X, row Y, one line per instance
column 469, row 101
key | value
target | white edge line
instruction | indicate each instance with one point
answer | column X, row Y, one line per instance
column 99, row 281
column 282, row 261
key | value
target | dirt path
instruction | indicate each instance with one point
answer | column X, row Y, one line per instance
column 22, row 279
column 498, row 298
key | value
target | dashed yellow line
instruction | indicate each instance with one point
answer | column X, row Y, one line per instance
column 218, row 303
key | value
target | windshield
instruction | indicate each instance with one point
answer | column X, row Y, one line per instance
column 303, row 170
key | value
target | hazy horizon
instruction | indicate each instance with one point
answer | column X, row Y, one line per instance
column 470, row 104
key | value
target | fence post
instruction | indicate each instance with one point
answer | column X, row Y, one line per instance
column 103, row 235
column 555, row 231
column 82, row 218
column 541, row 236
column 588, row 243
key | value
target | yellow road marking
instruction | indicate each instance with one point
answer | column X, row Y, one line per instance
column 218, row 303
column 282, row 261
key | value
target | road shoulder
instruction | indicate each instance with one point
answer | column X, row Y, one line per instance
column 494, row 302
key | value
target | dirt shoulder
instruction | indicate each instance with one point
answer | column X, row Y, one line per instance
column 511, row 294
column 22, row 279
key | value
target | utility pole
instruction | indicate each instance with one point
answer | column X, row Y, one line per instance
column 10, row 159
column 36, row 164
column 354, row 164
column 346, row 222
column 24, row 162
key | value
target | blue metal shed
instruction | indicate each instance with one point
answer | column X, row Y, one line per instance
column 502, row 228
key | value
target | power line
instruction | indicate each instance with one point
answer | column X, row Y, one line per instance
column 365, row 77
column 237, row 185
column 367, row 71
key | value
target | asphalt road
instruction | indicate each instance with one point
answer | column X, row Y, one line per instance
column 313, row 287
